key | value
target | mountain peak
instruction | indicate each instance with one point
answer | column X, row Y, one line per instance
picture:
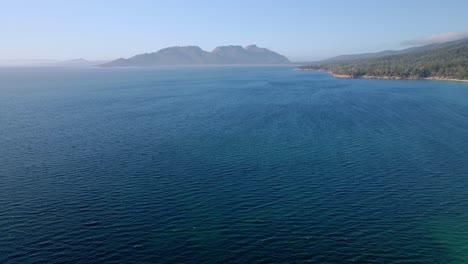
column 253, row 46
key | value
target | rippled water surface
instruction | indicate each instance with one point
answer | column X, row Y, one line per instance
column 230, row 164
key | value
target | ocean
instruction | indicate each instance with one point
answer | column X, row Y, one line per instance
column 230, row 165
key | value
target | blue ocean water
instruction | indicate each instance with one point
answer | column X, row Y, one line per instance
column 230, row 165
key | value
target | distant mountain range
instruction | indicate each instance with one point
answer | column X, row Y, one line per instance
column 193, row 55
column 447, row 60
column 50, row 63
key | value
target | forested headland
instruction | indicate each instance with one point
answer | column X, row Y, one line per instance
column 440, row 61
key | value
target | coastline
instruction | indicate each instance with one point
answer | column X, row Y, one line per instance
column 347, row 76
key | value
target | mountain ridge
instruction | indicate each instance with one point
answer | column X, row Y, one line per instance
column 194, row 55
column 385, row 53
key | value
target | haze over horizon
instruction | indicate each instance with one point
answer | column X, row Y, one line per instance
column 301, row 30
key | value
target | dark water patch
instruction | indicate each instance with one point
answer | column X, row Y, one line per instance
column 230, row 164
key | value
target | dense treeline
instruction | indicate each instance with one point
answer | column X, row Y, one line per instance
column 447, row 62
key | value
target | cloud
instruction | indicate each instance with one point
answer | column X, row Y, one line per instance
column 436, row 38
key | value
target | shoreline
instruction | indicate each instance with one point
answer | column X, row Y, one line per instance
column 347, row 76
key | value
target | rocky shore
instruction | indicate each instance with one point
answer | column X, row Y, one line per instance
column 347, row 76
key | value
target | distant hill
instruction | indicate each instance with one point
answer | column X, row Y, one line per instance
column 436, row 61
column 77, row 63
column 26, row 63
column 393, row 52
column 49, row 63
column 193, row 55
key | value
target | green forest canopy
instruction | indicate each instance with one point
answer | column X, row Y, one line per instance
column 446, row 62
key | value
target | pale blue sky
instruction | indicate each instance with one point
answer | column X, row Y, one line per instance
column 301, row 30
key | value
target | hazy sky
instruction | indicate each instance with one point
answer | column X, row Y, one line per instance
column 301, row 30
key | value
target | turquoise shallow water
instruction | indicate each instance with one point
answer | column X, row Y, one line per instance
column 230, row 164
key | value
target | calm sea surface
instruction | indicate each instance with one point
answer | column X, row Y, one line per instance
column 230, row 165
